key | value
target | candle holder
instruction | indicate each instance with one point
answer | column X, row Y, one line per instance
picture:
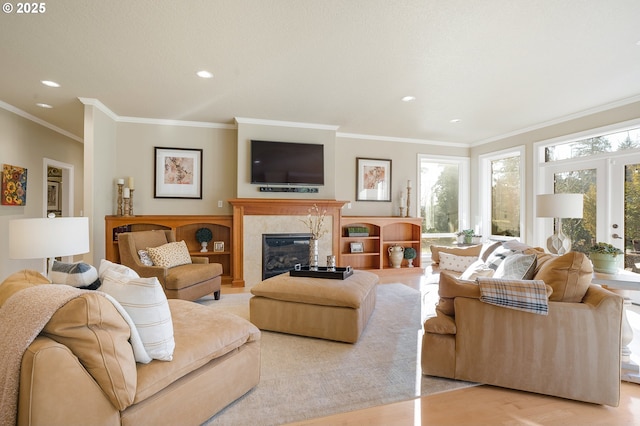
column 119, row 206
column 131, row 202
column 402, row 209
column 126, row 207
column 408, row 201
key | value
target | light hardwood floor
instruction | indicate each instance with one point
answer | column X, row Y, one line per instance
column 484, row 405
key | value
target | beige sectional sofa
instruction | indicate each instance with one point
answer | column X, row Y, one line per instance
column 572, row 352
column 81, row 370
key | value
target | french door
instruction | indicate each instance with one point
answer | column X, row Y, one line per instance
column 611, row 188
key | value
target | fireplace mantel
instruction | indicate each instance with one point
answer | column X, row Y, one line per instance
column 269, row 207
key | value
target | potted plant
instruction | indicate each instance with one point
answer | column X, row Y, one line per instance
column 410, row 254
column 204, row 235
column 605, row 258
column 467, row 236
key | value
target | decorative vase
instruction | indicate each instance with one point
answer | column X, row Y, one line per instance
column 313, row 254
column 396, row 254
column 410, row 263
column 605, row 262
column 204, row 247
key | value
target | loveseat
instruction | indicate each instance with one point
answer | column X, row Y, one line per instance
column 567, row 346
column 81, row 368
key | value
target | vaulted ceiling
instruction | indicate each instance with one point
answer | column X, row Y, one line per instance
column 497, row 66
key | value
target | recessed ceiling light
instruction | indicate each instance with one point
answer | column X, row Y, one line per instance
column 455, row 120
column 408, row 98
column 41, row 105
column 204, row 74
column 50, row 83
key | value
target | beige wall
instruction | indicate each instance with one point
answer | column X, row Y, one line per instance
column 25, row 144
column 135, row 152
column 404, row 164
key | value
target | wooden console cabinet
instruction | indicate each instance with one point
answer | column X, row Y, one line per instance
column 383, row 232
column 185, row 227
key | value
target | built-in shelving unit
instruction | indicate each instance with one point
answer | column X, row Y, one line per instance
column 185, row 227
column 383, row 232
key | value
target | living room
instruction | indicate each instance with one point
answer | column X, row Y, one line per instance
column 112, row 143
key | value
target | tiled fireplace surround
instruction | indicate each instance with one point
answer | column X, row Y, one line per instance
column 253, row 217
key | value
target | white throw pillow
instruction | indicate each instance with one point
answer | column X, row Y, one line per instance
column 106, row 265
column 451, row 262
column 145, row 302
column 144, row 258
column 475, row 270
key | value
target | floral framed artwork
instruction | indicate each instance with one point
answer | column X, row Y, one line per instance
column 14, row 185
column 373, row 179
column 178, row 173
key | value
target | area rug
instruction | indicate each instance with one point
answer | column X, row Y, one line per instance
column 304, row 378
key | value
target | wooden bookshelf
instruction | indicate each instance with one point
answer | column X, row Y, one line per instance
column 383, row 232
column 185, row 227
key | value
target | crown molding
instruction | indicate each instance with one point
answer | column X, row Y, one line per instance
column 264, row 122
column 402, row 140
column 560, row 120
column 39, row 121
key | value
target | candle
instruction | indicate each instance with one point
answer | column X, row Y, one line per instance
column 409, row 183
column 120, row 181
column 130, row 182
column 126, row 193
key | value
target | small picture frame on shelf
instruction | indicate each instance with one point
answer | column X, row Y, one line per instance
column 357, row 247
column 218, row 246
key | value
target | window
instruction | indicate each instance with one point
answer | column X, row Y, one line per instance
column 443, row 198
column 613, row 142
column 501, row 198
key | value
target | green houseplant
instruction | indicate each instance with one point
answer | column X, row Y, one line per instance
column 410, row 253
column 467, row 235
column 605, row 258
column 204, row 235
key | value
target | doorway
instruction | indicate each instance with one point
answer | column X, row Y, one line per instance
column 58, row 188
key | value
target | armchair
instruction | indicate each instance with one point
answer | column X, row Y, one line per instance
column 189, row 282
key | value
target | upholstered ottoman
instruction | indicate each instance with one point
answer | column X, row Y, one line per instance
column 315, row 307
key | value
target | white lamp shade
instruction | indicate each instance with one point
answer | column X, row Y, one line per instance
column 38, row 238
column 559, row 205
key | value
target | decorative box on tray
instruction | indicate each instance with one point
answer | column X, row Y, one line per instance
column 322, row 272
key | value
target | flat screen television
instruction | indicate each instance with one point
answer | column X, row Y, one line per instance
column 287, row 163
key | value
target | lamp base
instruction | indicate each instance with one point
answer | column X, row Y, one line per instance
column 559, row 243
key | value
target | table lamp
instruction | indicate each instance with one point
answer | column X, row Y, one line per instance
column 48, row 238
column 559, row 206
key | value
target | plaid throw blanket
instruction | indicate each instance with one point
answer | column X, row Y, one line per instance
column 524, row 295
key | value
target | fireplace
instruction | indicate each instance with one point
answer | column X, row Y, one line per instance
column 281, row 252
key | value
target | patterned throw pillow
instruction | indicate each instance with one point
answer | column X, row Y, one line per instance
column 517, row 267
column 451, row 262
column 144, row 258
column 498, row 256
column 80, row 275
column 170, row 254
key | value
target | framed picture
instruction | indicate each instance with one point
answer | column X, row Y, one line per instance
column 373, row 179
column 53, row 195
column 218, row 246
column 178, row 173
column 357, row 247
column 14, row 185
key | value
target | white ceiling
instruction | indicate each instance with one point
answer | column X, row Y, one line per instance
column 500, row 66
